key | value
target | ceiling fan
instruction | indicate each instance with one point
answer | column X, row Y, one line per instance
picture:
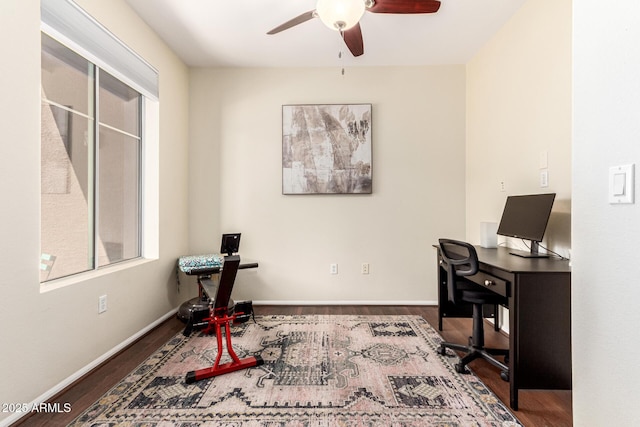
column 344, row 16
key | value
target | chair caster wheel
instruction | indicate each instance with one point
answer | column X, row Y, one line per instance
column 460, row 368
column 505, row 376
column 442, row 350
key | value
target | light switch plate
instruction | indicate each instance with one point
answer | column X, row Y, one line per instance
column 621, row 184
column 544, row 159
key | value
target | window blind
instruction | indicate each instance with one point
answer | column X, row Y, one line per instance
column 65, row 20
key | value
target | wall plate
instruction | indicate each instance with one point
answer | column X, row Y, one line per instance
column 621, row 184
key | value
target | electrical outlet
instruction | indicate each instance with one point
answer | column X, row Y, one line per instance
column 502, row 187
column 102, row 304
column 333, row 269
column 365, row 268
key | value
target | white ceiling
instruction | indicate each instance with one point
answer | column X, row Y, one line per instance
column 232, row 33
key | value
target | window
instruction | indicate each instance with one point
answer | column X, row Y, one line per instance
column 91, row 157
column 100, row 147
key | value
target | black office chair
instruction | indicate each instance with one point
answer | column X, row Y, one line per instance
column 460, row 259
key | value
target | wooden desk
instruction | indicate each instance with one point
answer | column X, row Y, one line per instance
column 539, row 302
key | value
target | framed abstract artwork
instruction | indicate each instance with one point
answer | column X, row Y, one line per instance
column 326, row 149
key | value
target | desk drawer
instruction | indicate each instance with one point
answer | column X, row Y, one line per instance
column 493, row 283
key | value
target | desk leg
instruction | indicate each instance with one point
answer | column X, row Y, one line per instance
column 513, row 353
column 513, row 392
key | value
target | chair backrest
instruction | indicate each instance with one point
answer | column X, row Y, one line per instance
column 225, row 287
column 459, row 259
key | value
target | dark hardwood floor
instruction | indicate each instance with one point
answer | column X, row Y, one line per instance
column 538, row 408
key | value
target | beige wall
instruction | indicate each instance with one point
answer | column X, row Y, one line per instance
column 519, row 106
column 49, row 337
column 418, row 182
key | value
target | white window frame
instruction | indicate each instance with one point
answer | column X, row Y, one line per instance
column 66, row 22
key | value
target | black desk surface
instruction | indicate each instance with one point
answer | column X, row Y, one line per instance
column 501, row 258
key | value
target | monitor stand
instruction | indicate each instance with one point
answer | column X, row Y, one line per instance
column 532, row 254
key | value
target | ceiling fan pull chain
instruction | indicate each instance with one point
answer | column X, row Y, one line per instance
column 340, row 51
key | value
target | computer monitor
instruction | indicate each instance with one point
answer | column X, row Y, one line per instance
column 526, row 217
column 230, row 243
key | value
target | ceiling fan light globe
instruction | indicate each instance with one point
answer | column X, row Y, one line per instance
column 340, row 15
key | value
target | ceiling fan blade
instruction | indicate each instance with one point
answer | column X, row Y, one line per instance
column 405, row 6
column 353, row 39
column 293, row 22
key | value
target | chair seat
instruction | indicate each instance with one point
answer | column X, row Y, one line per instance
column 482, row 297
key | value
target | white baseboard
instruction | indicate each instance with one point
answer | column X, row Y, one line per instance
column 79, row 374
column 333, row 302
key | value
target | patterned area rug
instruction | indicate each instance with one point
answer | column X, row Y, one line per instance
column 319, row 371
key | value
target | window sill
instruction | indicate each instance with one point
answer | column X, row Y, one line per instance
column 89, row 275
